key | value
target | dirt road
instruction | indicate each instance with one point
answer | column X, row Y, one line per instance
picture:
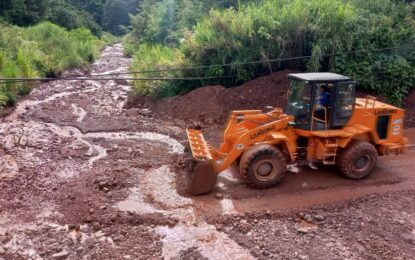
column 81, row 177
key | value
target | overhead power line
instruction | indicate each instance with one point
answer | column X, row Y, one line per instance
column 249, row 62
column 15, row 80
column 109, row 76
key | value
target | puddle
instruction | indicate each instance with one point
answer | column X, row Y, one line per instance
column 136, row 203
column 227, row 206
column 158, row 185
column 229, row 176
column 102, row 153
column 79, row 112
column 211, row 243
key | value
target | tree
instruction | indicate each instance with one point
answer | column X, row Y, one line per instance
column 24, row 12
column 66, row 15
column 142, row 22
column 116, row 15
column 93, row 7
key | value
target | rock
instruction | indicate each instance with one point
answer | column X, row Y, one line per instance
column 73, row 227
column 319, row 217
column 61, row 255
column 2, row 250
column 308, row 218
column 400, row 221
column 302, row 230
column 99, row 234
column 265, row 253
column 103, row 207
column 145, row 112
column 219, row 196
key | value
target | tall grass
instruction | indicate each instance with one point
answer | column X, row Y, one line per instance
column 272, row 29
column 42, row 50
column 156, row 57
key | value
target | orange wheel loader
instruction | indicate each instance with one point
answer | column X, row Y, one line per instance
column 323, row 123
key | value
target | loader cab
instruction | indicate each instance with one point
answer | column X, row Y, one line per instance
column 320, row 101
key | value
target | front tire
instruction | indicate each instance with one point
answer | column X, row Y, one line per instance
column 358, row 160
column 263, row 166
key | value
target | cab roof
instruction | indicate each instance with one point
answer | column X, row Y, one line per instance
column 319, row 77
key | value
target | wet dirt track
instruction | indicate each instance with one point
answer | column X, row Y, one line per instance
column 81, row 177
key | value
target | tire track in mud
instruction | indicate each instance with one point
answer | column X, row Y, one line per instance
column 56, row 137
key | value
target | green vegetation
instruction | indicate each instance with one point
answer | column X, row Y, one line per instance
column 272, row 29
column 42, row 50
column 159, row 58
column 54, row 35
column 96, row 15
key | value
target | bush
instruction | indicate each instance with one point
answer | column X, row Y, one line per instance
column 42, row 50
column 109, row 39
column 273, row 29
column 156, row 57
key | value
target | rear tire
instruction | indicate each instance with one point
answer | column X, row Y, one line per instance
column 358, row 160
column 263, row 166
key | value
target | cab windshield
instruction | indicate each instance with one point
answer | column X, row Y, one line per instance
column 299, row 98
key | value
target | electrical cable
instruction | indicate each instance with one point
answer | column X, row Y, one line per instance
column 107, row 76
column 14, row 80
column 247, row 63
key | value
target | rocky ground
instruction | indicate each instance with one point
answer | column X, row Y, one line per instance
column 83, row 178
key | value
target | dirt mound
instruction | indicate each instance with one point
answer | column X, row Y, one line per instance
column 213, row 103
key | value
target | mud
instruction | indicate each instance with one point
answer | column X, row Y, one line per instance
column 211, row 105
column 83, row 177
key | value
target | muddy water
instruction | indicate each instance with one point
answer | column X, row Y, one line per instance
column 65, row 135
column 52, row 121
column 191, row 231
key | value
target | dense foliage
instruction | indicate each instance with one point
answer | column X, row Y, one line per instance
column 42, row 50
column 97, row 15
column 272, row 29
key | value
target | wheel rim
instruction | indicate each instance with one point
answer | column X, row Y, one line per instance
column 265, row 169
column 361, row 164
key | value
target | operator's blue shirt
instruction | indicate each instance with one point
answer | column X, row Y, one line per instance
column 324, row 99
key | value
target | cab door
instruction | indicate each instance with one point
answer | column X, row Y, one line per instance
column 344, row 103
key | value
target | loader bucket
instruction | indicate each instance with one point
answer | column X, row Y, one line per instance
column 204, row 176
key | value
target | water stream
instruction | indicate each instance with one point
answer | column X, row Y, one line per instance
column 155, row 192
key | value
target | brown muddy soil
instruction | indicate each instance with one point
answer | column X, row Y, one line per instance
column 372, row 227
column 211, row 105
column 83, row 177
